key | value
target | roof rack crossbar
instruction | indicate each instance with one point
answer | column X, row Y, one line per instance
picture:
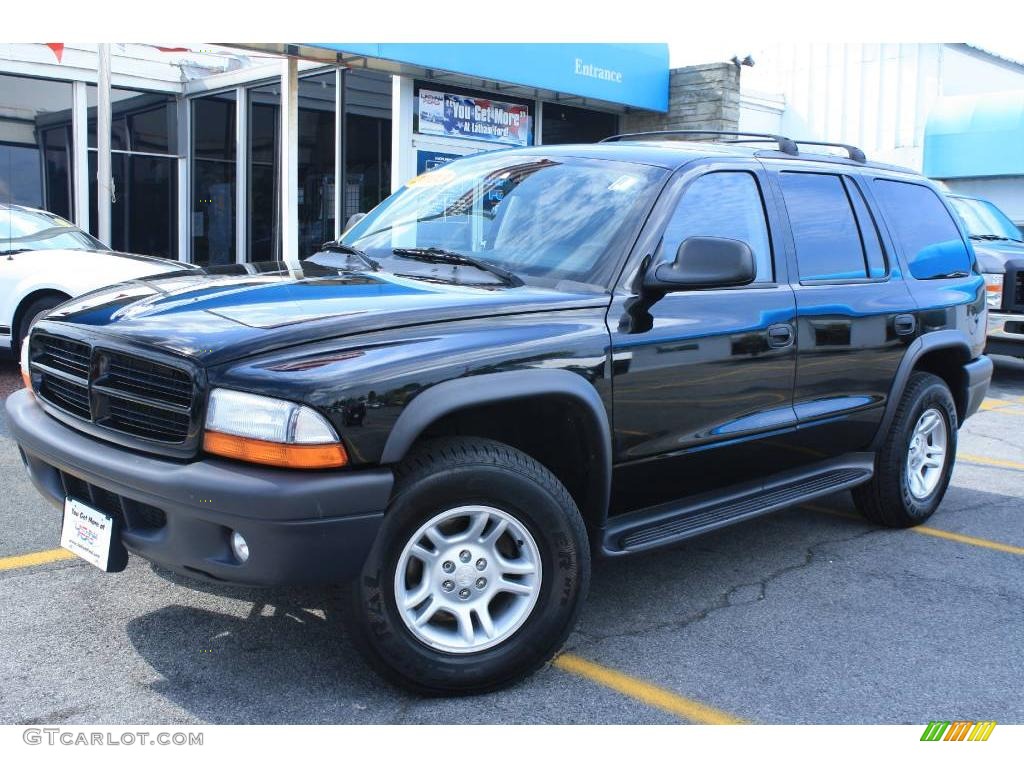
column 855, row 153
column 785, row 145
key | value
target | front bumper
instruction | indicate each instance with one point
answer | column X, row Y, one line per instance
column 1005, row 334
column 302, row 527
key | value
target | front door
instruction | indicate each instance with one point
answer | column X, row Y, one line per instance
column 702, row 379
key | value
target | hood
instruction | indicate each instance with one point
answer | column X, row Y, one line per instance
column 221, row 314
column 993, row 254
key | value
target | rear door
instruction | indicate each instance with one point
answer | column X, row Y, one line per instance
column 700, row 383
column 855, row 315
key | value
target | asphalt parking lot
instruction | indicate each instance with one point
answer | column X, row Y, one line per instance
column 810, row 615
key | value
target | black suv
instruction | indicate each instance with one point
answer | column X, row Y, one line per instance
column 518, row 361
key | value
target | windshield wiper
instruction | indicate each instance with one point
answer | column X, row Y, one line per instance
column 994, row 237
column 443, row 256
column 13, row 251
column 335, row 247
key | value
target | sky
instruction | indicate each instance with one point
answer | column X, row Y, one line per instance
column 689, row 51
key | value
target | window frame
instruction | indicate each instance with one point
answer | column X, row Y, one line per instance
column 669, row 202
column 845, row 180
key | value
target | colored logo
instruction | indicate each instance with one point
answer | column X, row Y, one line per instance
column 958, row 730
column 87, row 535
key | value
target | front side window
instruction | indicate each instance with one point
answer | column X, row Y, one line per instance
column 548, row 218
column 924, row 229
column 825, row 233
column 723, row 204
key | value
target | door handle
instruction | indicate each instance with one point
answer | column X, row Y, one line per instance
column 904, row 325
column 780, row 335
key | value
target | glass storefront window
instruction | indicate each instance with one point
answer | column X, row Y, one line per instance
column 574, row 125
column 143, row 213
column 213, row 179
column 34, row 157
column 316, row 162
column 264, row 194
column 315, row 167
column 144, row 171
column 21, row 181
column 368, row 150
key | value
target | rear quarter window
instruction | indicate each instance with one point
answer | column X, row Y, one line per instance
column 924, row 230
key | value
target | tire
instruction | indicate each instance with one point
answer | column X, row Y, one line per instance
column 893, row 497
column 474, row 478
column 32, row 314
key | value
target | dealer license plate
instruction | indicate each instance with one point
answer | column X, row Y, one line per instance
column 88, row 533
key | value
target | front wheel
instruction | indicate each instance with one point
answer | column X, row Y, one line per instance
column 914, row 465
column 478, row 573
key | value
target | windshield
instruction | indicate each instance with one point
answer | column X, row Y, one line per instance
column 543, row 218
column 23, row 229
column 983, row 219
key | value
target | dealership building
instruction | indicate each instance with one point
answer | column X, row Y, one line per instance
column 223, row 155
column 218, row 155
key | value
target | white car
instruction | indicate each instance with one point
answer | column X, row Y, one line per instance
column 45, row 260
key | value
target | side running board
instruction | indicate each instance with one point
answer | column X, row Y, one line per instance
column 674, row 521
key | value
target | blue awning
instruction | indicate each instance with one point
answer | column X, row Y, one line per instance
column 634, row 75
column 975, row 135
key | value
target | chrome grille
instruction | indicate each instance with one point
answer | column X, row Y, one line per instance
column 116, row 390
column 62, row 355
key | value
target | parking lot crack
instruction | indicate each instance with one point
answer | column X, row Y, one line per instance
column 744, row 593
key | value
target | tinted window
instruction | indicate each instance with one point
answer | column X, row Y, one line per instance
column 828, row 243
column 722, row 204
column 924, row 229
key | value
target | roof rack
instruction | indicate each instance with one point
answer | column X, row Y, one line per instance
column 855, row 153
column 785, row 144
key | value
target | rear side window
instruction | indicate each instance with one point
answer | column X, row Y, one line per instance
column 829, row 245
column 722, row 204
column 924, row 230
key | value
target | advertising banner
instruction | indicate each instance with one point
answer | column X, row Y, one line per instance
column 471, row 117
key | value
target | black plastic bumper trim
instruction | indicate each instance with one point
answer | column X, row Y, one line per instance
column 302, row 527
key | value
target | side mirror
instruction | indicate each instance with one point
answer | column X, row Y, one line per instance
column 704, row 262
column 354, row 219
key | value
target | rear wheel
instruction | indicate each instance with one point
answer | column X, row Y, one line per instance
column 913, row 467
column 478, row 573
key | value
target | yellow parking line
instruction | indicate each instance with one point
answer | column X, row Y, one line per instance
column 649, row 694
column 974, row 541
column 970, row 458
column 994, row 404
column 34, row 558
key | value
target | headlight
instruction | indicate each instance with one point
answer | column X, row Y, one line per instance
column 993, row 290
column 265, row 430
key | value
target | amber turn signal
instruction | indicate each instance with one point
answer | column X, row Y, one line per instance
column 293, row 456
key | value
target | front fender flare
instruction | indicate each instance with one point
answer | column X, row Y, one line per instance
column 467, row 391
